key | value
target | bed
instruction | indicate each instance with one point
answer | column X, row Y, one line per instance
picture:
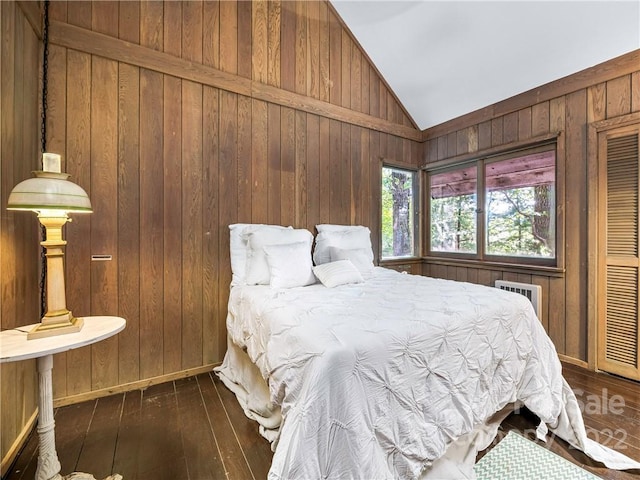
column 371, row 373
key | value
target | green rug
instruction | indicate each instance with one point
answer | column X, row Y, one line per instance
column 516, row 458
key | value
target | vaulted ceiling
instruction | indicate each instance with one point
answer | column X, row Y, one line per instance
column 447, row 58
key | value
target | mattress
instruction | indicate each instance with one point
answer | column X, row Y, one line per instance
column 396, row 376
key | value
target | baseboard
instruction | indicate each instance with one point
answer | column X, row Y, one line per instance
column 127, row 387
column 19, row 442
column 574, row 361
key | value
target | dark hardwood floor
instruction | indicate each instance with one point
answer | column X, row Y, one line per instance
column 193, row 429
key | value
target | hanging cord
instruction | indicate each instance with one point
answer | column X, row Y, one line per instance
column 43, row 147
column 45, row 71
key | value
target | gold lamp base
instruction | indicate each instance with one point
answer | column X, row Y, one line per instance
column 52, row 326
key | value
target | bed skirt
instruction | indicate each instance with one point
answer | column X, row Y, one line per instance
column 243, row 378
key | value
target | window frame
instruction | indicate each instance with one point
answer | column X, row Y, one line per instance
column 427, row 199
column 417, row 206
column 481, row 159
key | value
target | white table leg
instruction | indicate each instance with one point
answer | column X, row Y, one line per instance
column 48, row 463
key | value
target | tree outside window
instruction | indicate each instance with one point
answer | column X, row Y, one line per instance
column 398, row 212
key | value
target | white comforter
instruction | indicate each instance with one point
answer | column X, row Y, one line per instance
column 376, row 380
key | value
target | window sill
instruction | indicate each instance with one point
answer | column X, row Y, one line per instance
column 493, row 265
column 396, row 260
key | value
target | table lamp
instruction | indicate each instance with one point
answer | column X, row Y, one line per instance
column 52, row 196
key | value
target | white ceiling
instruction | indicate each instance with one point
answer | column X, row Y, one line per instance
column 444, row 59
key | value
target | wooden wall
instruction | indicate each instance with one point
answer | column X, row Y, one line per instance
column 19, row 234
column 567, row 107
column 180, row 118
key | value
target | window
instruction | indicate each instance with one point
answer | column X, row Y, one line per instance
column 453, row 210
column 520, row 205
column 398, row 212
column 496, row 208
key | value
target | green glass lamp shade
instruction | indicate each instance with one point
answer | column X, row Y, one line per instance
column 49, row 191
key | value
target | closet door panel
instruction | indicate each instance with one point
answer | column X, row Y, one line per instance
column 618, row 335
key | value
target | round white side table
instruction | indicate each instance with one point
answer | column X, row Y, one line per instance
column 14, row 346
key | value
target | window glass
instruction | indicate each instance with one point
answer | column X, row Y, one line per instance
column 398, row 212
column 453, row 210
column 520, row 206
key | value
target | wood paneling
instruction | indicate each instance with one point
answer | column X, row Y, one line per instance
column 172, row 216
column 211, row 34
column 302, row 76
column 152, row 229
column 245, row 45
column 228, row 191
column 273, row 43
column 78, row 265
column 213, row 326
column 191, row 227
column 128, row 220
column 567, row 106
column 244, row 154
column 287, row 166
column 104, row 194
column 228, row 40
column 575, row 161
column 19, row 232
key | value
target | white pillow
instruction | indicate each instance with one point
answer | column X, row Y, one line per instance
column 333, row 274
column 239, row 249
column 257, row 267
column 341, row 236
column 358, row 256
column 290, row 265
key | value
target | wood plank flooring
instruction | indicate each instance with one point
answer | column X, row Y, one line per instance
column 194, row 429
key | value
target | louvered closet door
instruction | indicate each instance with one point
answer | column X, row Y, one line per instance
column 619, row 272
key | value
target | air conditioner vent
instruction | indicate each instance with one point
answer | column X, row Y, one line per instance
column 529, row 290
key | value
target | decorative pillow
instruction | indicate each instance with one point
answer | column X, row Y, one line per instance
column 358, row 256
column 290, row 265
column 333, row 274
column 257, row 267
column 239, row 249
column 340, row 236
